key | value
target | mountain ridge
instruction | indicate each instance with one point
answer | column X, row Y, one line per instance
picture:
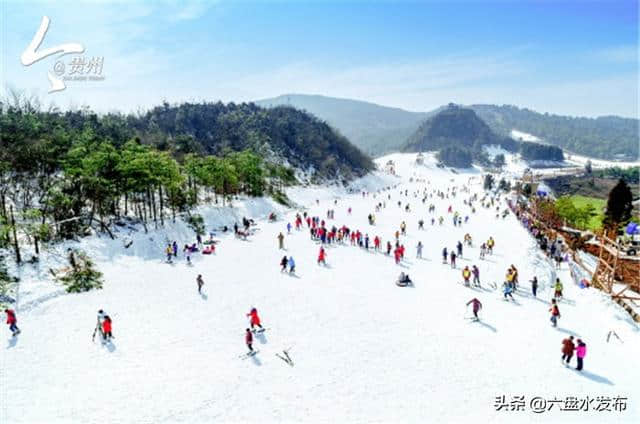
column 375, row 129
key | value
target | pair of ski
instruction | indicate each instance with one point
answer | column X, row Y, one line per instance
column 286, row 358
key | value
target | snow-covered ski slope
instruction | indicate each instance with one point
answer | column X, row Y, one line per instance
column 364, row 349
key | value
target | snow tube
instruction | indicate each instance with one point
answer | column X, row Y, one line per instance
column 632, row 228
column 403, row 283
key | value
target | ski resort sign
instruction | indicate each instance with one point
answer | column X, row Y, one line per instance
column 79, row 68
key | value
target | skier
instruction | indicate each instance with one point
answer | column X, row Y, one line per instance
column 490, row 244
column 175, row 249
column 169, row 252
column 419, row 250
column 200, row 283
column 284, row 263
column 476, row 305
column 476, row 276
column 459, row 247
column 99, row 320
column 281, row 239
column 404, row 280
column 322, row 256
column 555, row 312
column 444, row 255
column 567, row 349
column 254, row 319
column 106, row 328
column 452, row 256
column 187, row 252
column 534, row 286
column 581, row 352
column 248, row 339
column 12, row 321
column 558, row 288
column 288, row 228
column 506, row 289
column 292, row 265
column 466, row 274
column 483, row 250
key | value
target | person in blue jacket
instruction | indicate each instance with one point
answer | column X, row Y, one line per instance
column 292, row 265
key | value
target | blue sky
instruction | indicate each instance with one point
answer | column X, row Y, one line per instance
column 566, row 57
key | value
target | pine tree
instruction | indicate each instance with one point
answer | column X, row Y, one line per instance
column 619, row 205
column 82, row 275
column 7, row 283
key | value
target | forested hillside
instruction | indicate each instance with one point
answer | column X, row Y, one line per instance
column 458, row 135
column 62, row 172
column 606, row 137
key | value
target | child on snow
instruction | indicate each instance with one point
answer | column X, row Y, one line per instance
column 200, row 283
column 12, row 321
column 106, row 328
column 555, row 312
column 254, row 318
column 292, row 265
column 248, row 339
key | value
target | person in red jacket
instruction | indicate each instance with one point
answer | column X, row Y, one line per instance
column 567, row 349
column 255, row 319
column 555, row 312
column 12, row 321
column 322, row 256
column 106, row 328
column 476, row 305
column 248, row 339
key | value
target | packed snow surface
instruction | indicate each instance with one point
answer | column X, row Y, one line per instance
column 520, row 135
column 363, row 349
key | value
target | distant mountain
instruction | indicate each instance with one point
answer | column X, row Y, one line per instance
column 457, row 126
column 606, row 137
column 373, row 128
column 458, row 134
column 379, row 129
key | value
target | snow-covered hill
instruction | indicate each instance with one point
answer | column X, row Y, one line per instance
column 364, row 349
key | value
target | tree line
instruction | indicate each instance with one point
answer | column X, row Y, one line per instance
column 607, row 137
column 63, row 173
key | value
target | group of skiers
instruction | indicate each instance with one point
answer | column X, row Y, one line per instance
column 254, row 321
column 290, row 262
column 568, row 349
column 467, row 273
column 103, row 326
